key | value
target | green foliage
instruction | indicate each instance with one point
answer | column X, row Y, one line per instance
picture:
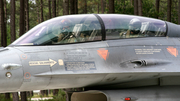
column 174, row 12
column 174, row 16
column 61, row 96
column 2, row 98
column 149, row 9
column 124, row 7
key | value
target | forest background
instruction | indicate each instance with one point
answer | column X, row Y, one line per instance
column 19, row 16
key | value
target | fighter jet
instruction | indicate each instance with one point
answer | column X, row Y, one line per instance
column 99, row 57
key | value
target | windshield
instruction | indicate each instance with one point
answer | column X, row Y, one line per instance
column 65, row 29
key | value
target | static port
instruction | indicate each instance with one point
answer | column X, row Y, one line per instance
column 8, row 75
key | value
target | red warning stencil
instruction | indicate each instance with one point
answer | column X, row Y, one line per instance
column 103, row 53
column 173, row 51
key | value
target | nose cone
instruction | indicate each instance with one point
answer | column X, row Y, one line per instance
column 11, row 73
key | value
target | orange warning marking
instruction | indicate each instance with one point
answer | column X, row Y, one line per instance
column 23, row 56
column 172, row 51
column 103, row 53
column 27, row 75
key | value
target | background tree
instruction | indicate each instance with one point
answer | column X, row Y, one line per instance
column 102, row 6
column 12, row 21
column 7, row 96
column 140, row 7
column 85, row 6
column 53, row 8
column 179, row 13
column 76, row 6
column 169, row 10
column 22, row 29
column 72, row 6
column 135, row 7
column 3, row 25
column 5, row 11
column 111, row 6
column 27, row 14
column 49, row 4
column 15, row 96
column 157, row 8
column 55, row 92
column 59, row 7
column 42, row 19
column 38, row 8
column 23, row 96
column 65, row 7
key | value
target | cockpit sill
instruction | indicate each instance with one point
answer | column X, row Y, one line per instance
column 144, row 38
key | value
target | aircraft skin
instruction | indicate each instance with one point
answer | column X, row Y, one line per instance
column 123, row 69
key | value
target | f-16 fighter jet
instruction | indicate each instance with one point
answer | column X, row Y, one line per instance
column 96, row 57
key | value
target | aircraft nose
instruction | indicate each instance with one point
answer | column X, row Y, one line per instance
column 11, row 72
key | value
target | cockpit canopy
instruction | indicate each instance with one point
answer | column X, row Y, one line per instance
column 91, row 27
